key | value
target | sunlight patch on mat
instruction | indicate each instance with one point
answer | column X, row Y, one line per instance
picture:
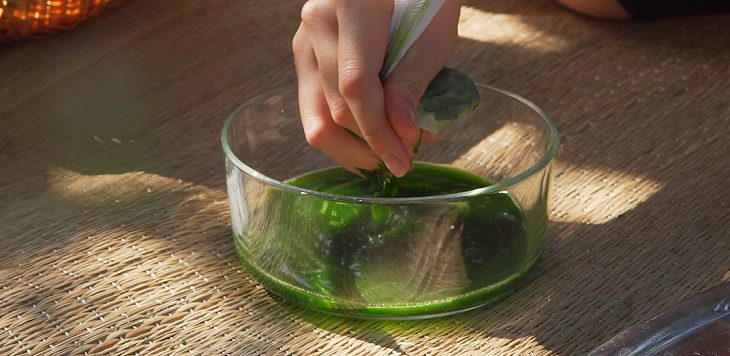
column 506, row 29
column 507, row 151
column 596, row 195
column 66, row 182
column 136, row 194
column 473, row 343
column 579, row 194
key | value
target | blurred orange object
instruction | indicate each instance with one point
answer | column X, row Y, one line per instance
column 27, row 18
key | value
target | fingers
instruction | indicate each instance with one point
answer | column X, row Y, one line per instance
column 363, row 31
column 407, row 83
column 320, row 20
column 340, row 90
column 319, row 129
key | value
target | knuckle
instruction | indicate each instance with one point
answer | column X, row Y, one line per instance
column 340, row 112
column 311, row 12
column 316, row 133
column 352, row 80
column 298, row 43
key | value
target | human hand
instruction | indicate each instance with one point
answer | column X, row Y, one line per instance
column 339, row 50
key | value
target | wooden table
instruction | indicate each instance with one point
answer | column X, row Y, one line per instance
column 114, row 231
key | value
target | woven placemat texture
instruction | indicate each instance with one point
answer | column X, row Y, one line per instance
column 114, row 235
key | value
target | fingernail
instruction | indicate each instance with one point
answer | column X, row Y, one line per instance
column 395, row 165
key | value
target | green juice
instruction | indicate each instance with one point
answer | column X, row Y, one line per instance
column 389, row 261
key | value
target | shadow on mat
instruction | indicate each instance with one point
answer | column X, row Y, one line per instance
column 569, row 292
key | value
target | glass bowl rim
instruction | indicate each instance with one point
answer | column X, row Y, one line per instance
column 499, row 186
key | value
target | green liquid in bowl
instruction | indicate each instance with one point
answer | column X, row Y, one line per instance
column 389, row 261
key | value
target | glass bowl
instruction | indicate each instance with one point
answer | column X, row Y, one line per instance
column 409, row 257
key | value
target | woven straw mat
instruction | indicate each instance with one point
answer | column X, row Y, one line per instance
column 114, row 235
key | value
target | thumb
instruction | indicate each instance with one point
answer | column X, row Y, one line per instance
column 406, row 84
column 402, row 91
